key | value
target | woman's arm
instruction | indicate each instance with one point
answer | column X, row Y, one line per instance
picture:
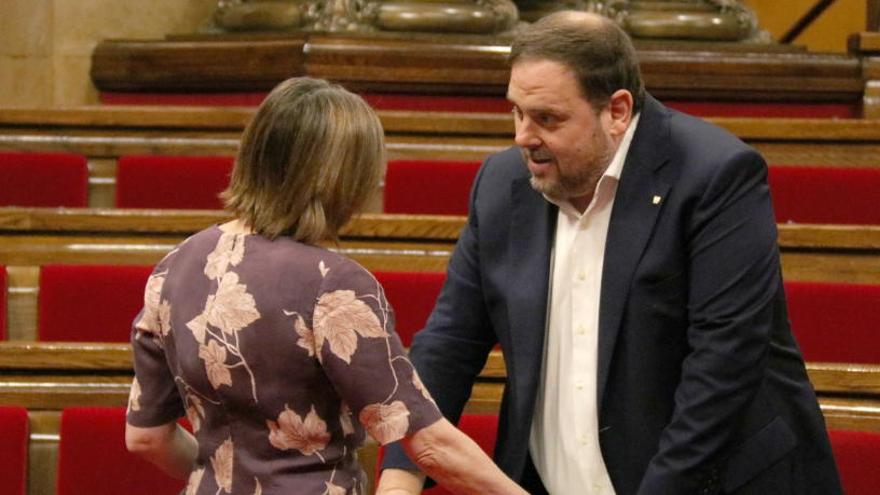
column 170, row 447
column 451, row 458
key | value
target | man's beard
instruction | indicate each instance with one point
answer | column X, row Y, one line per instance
column 575, row 183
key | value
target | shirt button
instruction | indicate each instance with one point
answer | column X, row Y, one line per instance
column 583, row 440
column 581, row 329
column 579, row 385
column 582, row 275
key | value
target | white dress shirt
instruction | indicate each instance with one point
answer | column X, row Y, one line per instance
column 564, row 437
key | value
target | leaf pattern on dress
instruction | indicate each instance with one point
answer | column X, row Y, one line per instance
column 417, row 383
column 258, row 488
column 306, row 336
column 333, row 489
column 199, row 327
column 195, row 411
column 164, row 314
column 232, row 307
column 134, row 396
column 195, row 479
column 149, row 320
column 323, row 269
column 307, row 435
column 214, row 356
column 386, row 422
column 339, row 316
column 229, row 252
column 221, row 461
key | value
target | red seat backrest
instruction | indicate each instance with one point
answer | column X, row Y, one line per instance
column 858, row 458
column 174, row 182
column 837, row 195
column 482, row 428
column 429, row 186
column 13, row 450
column 43, row 179
column 92, row 457
column 4, row 288
column 89, row 303
column 412, row 296
column 835, row 322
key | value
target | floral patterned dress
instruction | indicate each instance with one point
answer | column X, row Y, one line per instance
column 281, row 355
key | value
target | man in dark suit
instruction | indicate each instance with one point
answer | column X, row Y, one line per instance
column 625, row 258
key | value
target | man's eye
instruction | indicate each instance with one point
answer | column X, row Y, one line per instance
column 546, row 119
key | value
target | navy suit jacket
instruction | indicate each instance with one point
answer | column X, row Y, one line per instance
column 701, row 387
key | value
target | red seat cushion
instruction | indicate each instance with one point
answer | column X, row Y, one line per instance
column 835, row 322
column 838, row 195
column 4, row 288
column 482, row 428
column 858, row 458
column 92, row 457
column 175, row 182
column 13, row 450
column 90, row 303
column 429, row 186
column 412, row 296
column 43, row 179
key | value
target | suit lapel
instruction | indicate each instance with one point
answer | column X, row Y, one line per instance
column 633, row 216
column 532, row 224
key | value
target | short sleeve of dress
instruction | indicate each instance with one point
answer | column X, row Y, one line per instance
column 154, row 399
column 355, row 341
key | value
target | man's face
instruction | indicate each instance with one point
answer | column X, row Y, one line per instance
column 565, row 141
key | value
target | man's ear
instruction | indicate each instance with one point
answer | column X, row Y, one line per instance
column 620, row 107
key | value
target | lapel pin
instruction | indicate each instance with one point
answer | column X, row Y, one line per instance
column 656, row 200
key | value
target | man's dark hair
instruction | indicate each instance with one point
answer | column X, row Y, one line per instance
column 596, row 49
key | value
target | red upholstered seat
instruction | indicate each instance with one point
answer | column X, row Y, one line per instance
column 178, row 182
column 482, row 428
column 13, row 450
column 412, row 295
column 92, row 457
column 429, row 186
column 858, row 458
column 838, row 195
column 43, row 179
column 4, row 287
column 90, row 303
column 835, row 322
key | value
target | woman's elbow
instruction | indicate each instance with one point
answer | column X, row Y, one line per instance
column 142, row 441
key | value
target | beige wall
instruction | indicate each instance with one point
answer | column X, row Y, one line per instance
column 46, row 45
column 827, row 34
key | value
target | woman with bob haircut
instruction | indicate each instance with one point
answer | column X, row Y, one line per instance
column 281, row 353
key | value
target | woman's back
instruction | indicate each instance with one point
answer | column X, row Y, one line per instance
column 276, row 351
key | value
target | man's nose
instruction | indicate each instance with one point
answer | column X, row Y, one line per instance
column 525, row 136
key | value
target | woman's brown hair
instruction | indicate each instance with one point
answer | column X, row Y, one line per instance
column 308, row 160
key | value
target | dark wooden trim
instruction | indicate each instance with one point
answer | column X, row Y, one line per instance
column 454, row 65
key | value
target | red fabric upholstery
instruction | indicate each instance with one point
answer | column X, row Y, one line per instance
column 483, row 428
column 179, row 182
column 13, row 450
column 4, row 288
column 92, row 457
column 90, row 303
column 858, row 458
column 43, row 179
column 429, row 186
column 412, row 295
column 835, row 322
column 825, row 194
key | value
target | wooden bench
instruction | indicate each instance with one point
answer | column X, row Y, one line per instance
column 31, row 237
column 103, row 134
column 47, row 377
